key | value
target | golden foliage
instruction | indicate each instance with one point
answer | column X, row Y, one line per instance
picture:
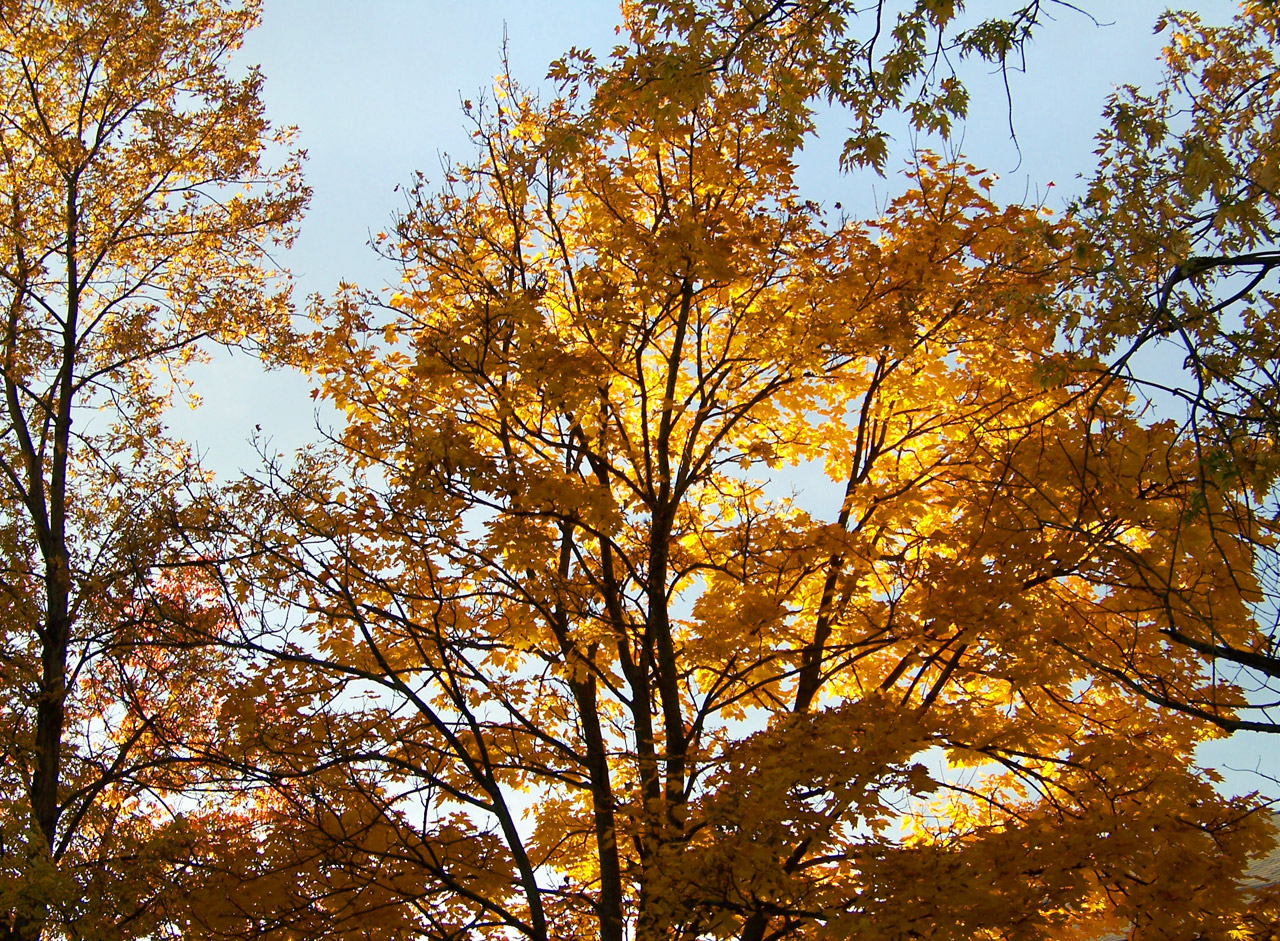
column 629, row 687
column 138, row 204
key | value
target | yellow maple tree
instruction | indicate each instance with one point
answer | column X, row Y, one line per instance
column 141, row 191
column 1179, row 232
column 602, row 676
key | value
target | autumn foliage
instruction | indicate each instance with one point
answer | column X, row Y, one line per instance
column 694, row 562
column 136, row 212
column 627, row 684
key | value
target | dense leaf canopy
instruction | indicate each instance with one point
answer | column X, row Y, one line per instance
column 540, row 642
column 625, row 684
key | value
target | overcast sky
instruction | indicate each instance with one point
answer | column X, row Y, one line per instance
column 374, row 89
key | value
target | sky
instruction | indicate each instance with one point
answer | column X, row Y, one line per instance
column 375, row 87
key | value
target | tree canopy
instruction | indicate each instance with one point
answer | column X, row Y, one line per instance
column 138, row 208
column 1180, row 222
column 614, row 681
column 540, row 642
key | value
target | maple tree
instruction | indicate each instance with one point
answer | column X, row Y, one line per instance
column 1180, row 230
column 141, row 192
column 574, row 661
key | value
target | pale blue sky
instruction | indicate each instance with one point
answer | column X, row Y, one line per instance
column 374, row 88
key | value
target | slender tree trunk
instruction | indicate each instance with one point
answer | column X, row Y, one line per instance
column 47, row 507
column 609, row 908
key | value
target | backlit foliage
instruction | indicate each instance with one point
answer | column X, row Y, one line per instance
column 571, row 637
column 137, row 209
column 1180, row 233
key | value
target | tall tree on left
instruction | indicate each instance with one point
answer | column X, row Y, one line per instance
column 142, row 191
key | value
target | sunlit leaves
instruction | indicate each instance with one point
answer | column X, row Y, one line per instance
column 141, row 191
column 624, row 682
column 1178, row 247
